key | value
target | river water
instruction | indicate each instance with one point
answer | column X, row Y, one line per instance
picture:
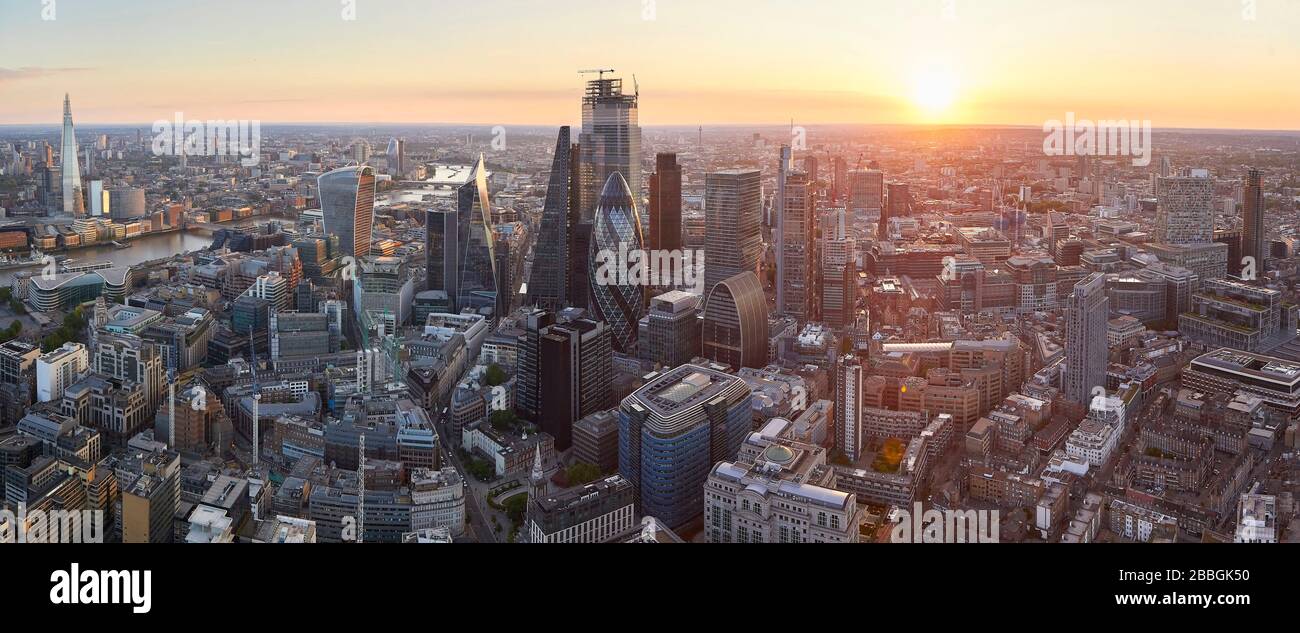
column 141, row 249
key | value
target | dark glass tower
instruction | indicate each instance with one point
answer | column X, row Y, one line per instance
column 1253, row 242
column 549, row 284
column 666, row 204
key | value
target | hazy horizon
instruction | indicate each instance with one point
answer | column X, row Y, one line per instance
column 739, row 62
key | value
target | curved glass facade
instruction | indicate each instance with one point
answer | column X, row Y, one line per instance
column 347, row 203
column 617, row 230
column 672, row 431
column 735, row 322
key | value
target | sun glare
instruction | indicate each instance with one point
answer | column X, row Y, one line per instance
column 934, row 91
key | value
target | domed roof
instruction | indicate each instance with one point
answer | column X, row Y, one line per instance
column 616, row 192
column 778, row 454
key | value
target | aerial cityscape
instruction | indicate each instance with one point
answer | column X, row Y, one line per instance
column 352, row 281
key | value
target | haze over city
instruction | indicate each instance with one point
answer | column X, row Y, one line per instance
column 1212, row 65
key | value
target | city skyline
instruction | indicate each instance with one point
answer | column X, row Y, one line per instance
column 947, row 63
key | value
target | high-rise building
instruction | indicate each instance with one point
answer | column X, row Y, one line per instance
column 610, row 141
column 575, row 381
column 733, row 202
column 397, row 158
column 347, row 202
column 384, row 291
column 150, row 484
column 1185, row 209
column 126, row 203
column 528, row 397
column 71, row 170
column 839, row 180
column 549, row 285
column 671, row 433
column 666, row 204
column 616, row 300
column 58, row 369
column 897, row 205
column 460, row 248
column 866, row 190
column 670, row 331
column 1086, row 315
column 838, row 287
column 796, row 246
column 1253, row 238
column 848, row 407
column 735, row 322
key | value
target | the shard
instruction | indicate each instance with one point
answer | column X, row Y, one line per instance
column 72, row 201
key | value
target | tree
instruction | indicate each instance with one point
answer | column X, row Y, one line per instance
column 504, row 420
column 515, row 507
column 582, row 473
column 495, row 375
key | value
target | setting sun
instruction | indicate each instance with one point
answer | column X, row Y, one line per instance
column 934, row 91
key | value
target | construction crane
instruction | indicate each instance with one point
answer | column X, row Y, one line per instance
column 598, row 71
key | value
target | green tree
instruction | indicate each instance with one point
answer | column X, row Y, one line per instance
column 582, row 473
column 495, row 375
column 515, row 507
column 504, row 420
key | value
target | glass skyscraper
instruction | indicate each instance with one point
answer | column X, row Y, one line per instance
column 549, row 282
column 620, row 304
column 347, row 203
column 72, row 201
column 672, row 431
column 460, row 249
column 610, row 140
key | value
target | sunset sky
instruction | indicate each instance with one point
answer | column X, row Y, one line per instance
column 1179, row 63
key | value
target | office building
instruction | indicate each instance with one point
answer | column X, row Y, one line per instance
column 610, row 142
column 549, row 284
column 795, row 244
column 71, row 171
column 150, row 488
column 670, row 330
column 666, row 204
column 778, row 491
column 59, row 369
column 575, row 375
column 732, row 233
column 347, row 202
column 866, row 189
column 1086, row 315
column 384, row 291
column 1185, row 209
column 1226, row 313
column 593, row 513
column 848, row 407
column 595, row 440
column 616, row 299
column 734, row 330
column 1254, row 238
column 672, row 431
